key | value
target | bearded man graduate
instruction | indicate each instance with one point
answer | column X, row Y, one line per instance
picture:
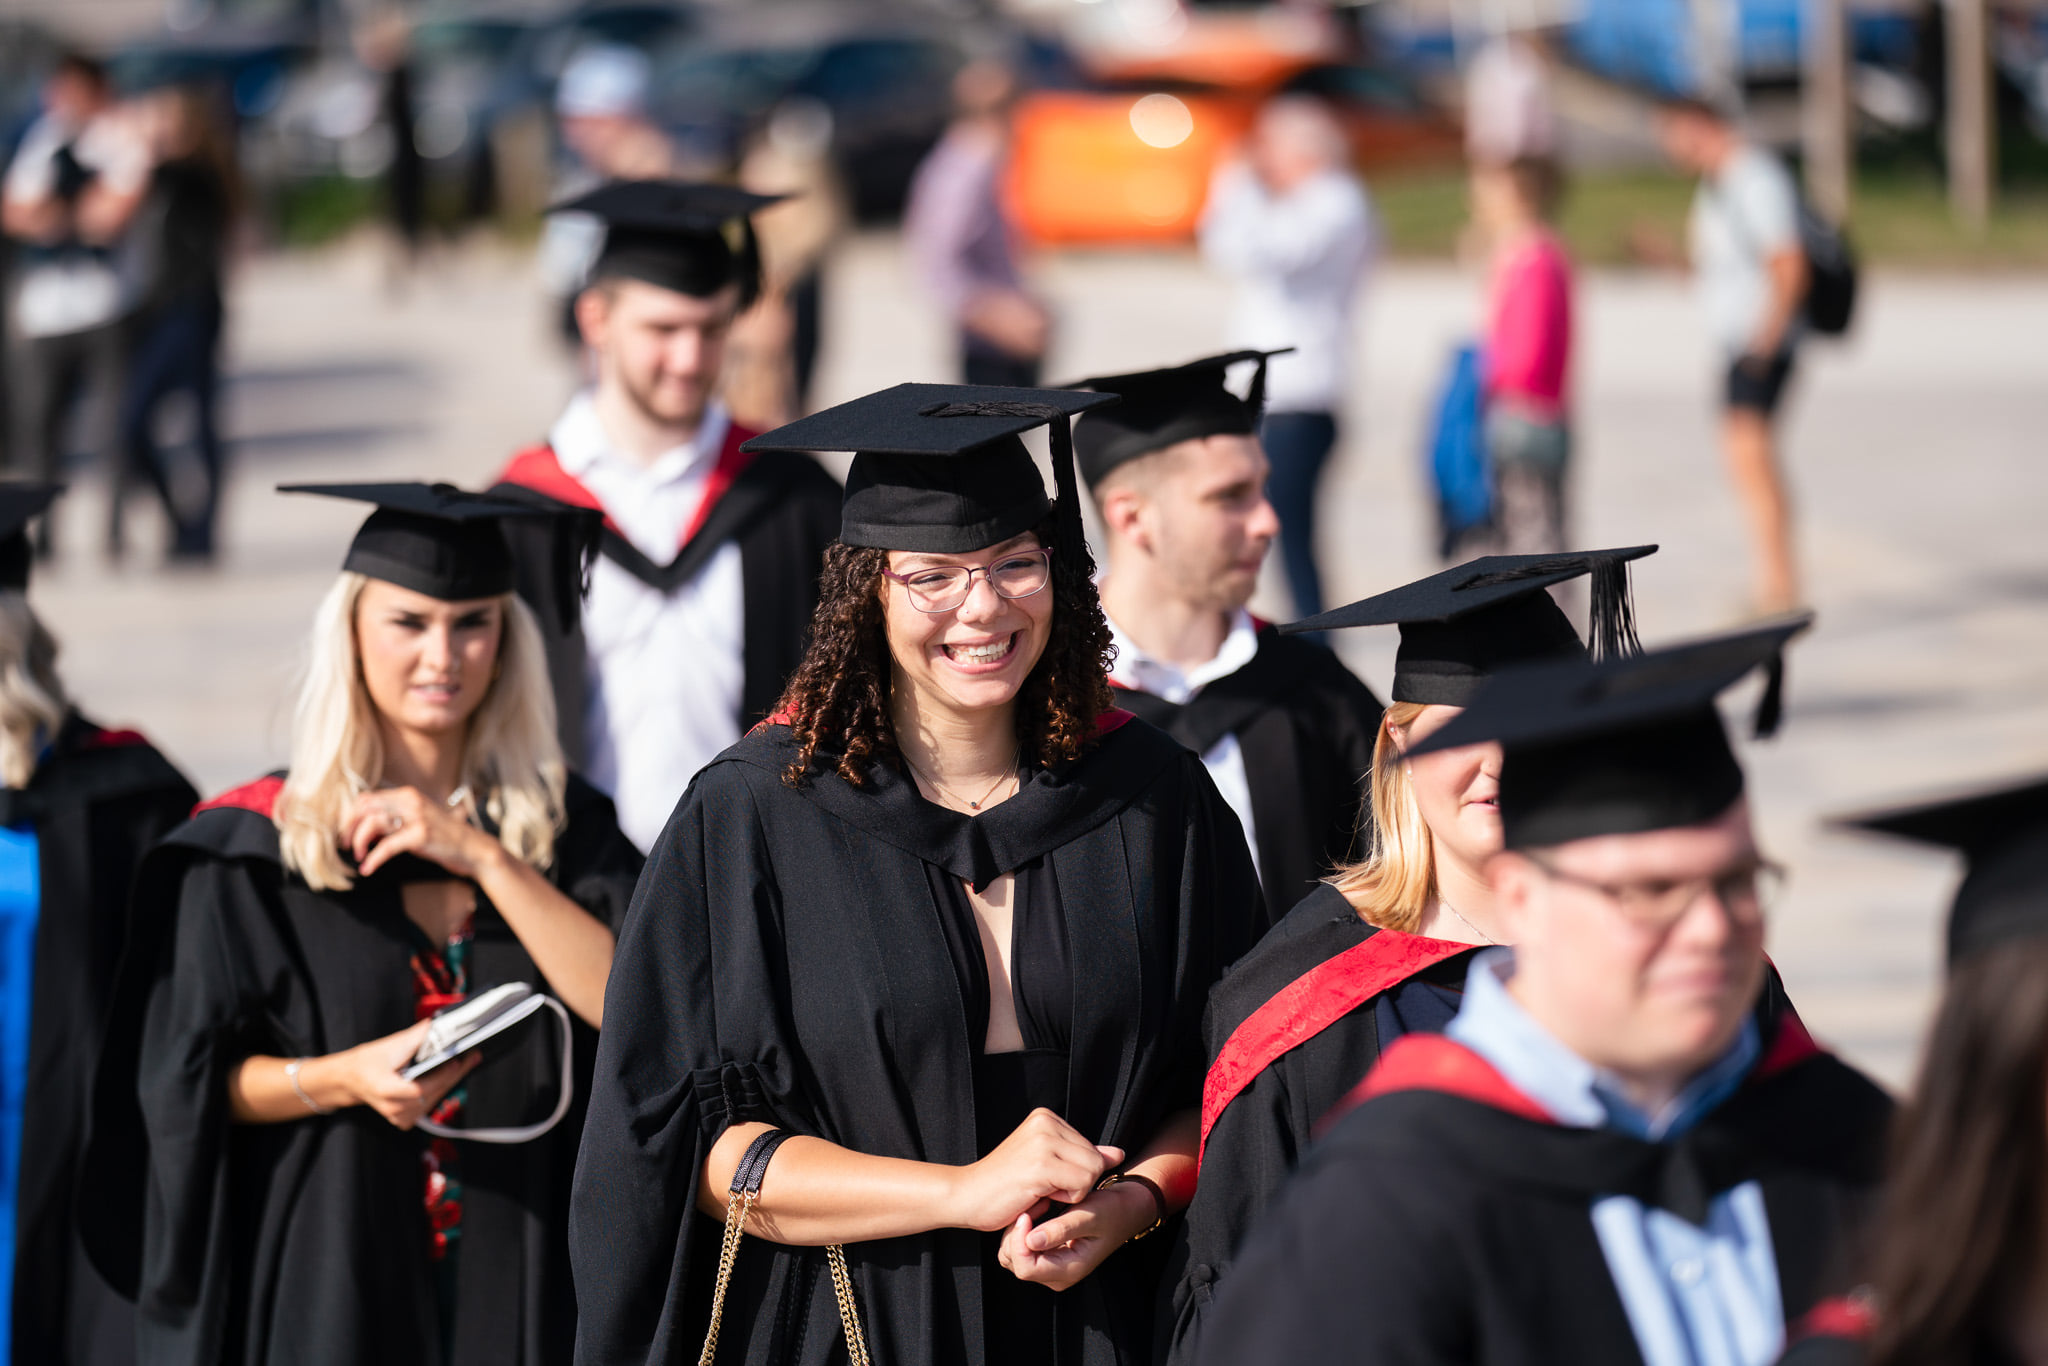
column 708, row 568
column 1285, row 730
column 1624, row 1148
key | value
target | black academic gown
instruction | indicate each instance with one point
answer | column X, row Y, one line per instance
column 99, row 799
column 782, row 509
column 307, row 1242
column 1446, row 1221
column 785, row 961
column 1264, row 1119
column 1305, row 725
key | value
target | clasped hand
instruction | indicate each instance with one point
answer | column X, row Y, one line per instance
column 1046, row 1162
column 401, row 820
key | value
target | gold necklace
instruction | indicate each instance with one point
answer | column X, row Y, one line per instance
column 955, row 797
column 1441, row 901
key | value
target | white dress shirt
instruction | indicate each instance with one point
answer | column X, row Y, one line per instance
column 664, row 669
column 1224, row 759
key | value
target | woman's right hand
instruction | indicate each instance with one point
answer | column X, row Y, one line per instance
column 369, row 1075
column 1046, row 1159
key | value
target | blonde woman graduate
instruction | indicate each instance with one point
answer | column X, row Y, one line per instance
column 268, row 1190
column 1381, row 949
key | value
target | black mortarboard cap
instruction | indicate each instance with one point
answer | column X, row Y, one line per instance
column 2003, row 836
column 1619, row 746
column 448, row 543
column 1461, row 626
column 20, row 504
column 938, row 467
column 692, row 237
column 1162, row 408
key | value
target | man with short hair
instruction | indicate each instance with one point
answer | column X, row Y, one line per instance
column 1283, row 727
column 1752, row 274
column 708, row 572
column 1625, row 1148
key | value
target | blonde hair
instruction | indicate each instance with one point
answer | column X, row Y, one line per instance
column 512, row 762
column 1392, row 886
column 32, row 701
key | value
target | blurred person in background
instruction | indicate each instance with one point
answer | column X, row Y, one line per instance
column 79, row 807
column 1528, row 350
column 177, row 250
column 601, row 111
column 384, row 44
column 708, row 567
column 962, row 242
column 774, row 346
column 76, row 181
column 1508, row 107
column 1285, row 730
column 1294, row 227
column 1957, row 1264
column 264, row 1179
column 1752, row 275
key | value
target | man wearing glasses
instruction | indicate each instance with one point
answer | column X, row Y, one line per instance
column 1625, row 1147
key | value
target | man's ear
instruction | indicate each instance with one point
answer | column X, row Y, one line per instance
column 1513, row 879
column 593, row 310
column 1123, row 514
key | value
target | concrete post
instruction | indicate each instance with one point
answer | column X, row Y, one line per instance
column 1828, row 115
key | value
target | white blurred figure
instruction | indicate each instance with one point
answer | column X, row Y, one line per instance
column 1508, row 110
column 601, row 106
column 1293, row 225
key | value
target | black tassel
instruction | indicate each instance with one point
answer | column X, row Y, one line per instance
column 1770, row 708
column 1255, row 397
column 1612, row 628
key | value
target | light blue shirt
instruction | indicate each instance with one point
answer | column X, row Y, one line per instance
column 1695, row 1295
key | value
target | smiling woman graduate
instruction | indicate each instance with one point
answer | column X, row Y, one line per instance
column 258, row 1181
column 946, row 918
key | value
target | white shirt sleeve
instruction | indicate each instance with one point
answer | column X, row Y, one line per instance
column 30, row 175
column 1765, row 203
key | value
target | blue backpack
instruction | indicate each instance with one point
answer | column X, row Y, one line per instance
column 1458, row 465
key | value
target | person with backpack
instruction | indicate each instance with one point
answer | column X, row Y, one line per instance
column 1751, row 265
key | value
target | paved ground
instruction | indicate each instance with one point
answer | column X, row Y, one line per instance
column 1917, row 456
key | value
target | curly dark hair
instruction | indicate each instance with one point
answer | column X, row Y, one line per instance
column 837, row 701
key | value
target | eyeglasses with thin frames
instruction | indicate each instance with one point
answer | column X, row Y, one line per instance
column 944, row 587
column 1748, row 893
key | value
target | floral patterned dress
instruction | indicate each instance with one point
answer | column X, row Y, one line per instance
column 440, row 978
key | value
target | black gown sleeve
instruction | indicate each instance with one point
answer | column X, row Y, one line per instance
column 596, row 866
column 695, row 1041
column 1359, row 1261
column 198, row 1021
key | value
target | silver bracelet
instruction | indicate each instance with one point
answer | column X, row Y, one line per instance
column 291, row 1074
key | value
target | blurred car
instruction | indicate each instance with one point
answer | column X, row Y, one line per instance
column 1130, row 160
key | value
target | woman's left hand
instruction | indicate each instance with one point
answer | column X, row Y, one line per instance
column 401, row 820
column 1061, row 1252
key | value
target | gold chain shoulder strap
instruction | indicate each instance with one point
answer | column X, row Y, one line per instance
column 739, row 1207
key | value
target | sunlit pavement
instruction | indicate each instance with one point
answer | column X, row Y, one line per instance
column 1916, row 451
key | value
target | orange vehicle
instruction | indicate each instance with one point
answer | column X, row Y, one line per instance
column 1130, row 161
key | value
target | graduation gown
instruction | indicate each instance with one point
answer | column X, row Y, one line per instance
column 784, row 961
column 781, row 508
column 1305, row 726
column 307, row 1241
column 97, row 802
column 1447, row 1218
column 1290, row 1031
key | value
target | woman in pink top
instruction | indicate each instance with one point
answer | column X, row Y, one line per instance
column 1528, row 354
